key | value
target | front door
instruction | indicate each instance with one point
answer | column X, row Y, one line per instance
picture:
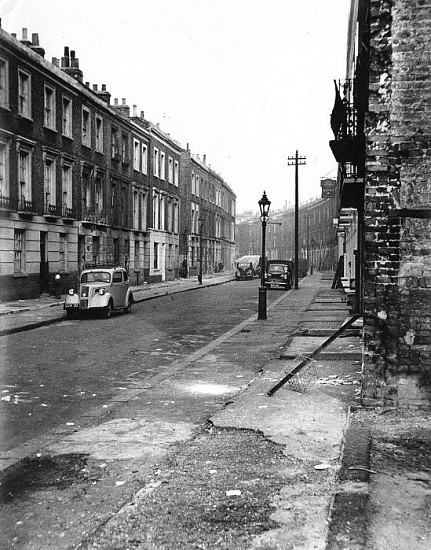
column 44, row 267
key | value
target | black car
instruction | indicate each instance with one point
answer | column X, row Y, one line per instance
column 279, row 274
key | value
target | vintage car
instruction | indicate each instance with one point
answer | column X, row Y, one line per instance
column 101, row 289
column 279, row 274
column 247, row 267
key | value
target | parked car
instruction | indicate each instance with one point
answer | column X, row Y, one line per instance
column 101, row 289
column 247, row 267
column 279, row 274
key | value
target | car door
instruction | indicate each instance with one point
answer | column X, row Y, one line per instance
column 118, row 289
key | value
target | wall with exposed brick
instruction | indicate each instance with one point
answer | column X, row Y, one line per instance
column 397, row 249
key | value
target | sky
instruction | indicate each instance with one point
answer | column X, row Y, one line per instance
column 246, row 82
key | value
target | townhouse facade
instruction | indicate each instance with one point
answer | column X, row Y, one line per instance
column 83, row 180
column 381, row 124
column 208, row 220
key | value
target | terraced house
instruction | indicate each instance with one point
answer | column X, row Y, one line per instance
column 84, row 180
column 382, row 141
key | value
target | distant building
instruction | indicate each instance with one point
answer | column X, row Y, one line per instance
column 317, row 238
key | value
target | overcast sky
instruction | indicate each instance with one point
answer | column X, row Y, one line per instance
column 246, row 82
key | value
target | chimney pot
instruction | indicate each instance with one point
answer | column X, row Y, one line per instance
column 72, row 54
column 13, row 34
column 55, row 61
column 124, row 101
column 66, row 51
column 116, row 101
column 35, row 39
column 94, row 87
column 24, row 34
column 103, row 87
column 135, row 110
column 142, row 114
column 87, row 84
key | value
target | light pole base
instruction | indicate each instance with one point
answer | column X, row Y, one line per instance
column 262, row 303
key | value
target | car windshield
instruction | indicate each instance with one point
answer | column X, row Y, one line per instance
column 276, row 268
column 96, row 277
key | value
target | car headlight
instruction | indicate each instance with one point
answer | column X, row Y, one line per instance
column 71, row 292
column 101, row 291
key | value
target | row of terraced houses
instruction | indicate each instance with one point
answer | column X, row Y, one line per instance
column 84, row 180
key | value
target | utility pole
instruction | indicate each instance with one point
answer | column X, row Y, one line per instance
column 296, row 161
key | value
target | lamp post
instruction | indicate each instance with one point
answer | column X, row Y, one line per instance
column 201, row 227
column 264, row 205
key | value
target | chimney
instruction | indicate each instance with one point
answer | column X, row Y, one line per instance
column 123, row 109
column 24, row 39
column 104, row 94
column 70, row 65
column 94, row 87
column 142, row 114
column 135, row 111
column 205, row 158
column 56, row 61
column 65, row 60
column 35, row 45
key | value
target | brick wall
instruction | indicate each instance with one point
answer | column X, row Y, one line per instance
column 397, row 259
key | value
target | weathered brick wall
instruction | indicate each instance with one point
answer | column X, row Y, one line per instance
column 397, row 290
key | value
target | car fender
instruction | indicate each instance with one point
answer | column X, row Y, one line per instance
column 100, row 300
column 129, row 295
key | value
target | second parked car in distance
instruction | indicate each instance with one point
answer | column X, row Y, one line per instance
column 279, row 274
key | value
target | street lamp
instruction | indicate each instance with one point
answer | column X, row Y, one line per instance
column 264, row 205
column 201, row 228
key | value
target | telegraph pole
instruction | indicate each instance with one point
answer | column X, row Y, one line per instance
column 296, row 161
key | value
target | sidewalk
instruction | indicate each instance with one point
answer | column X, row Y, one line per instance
column 306, row 468
column 23, row 315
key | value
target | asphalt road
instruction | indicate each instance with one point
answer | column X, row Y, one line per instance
column 55, row 373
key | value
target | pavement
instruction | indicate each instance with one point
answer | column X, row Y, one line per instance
column 324, row 471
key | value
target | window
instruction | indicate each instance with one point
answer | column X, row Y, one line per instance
column 125, row 148
column 176, row 217
column 99, row 134
column 115, row 151
column 4, row 171
column 162, row 165
column 66, row 189
column 24, row 168
column 98, row 195
column 176, row 173
column 49, row 183
column 171, row 170
column 144, row 156
column 24, row 94
column 193, row 184
column 19, row 250
column 156, row 256
column 67, row 117
column 96, row 250
column 86, row 127
column 197, row 185
column 136, row 158
column 4, row 83
column 170, row 215
column 63, row 252
column 49, row 114
column 156, row 167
